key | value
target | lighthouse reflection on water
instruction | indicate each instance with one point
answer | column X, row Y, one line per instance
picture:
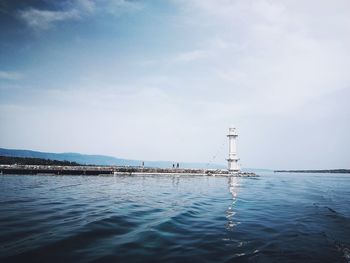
column 230, row 213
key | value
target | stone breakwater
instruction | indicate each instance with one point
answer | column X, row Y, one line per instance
column 111, row 170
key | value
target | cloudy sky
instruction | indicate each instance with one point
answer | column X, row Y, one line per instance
column 163, row 80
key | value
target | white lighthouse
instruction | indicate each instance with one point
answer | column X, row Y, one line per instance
column 232, row 155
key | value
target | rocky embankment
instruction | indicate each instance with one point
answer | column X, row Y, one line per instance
column 110, row 170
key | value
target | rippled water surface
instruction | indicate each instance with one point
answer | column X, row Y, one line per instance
column 273, row 218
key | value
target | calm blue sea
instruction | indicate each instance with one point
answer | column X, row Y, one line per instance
column 272, row 218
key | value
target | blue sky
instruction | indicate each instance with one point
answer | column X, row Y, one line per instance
column 163, row 80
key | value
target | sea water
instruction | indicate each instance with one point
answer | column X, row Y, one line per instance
column 272, row 218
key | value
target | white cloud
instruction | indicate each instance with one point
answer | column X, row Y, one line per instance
column 10, row 75
column 118, row 7
column 40, row 20
column 276, row 50
column 114, row 7
column 192, row 55
column 44, row 19
column 86, row 5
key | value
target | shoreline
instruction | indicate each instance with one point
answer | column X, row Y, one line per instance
column 336, row 171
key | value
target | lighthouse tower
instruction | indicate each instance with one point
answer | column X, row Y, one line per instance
column 232, row 155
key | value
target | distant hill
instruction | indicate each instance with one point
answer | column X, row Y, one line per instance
column 99, row 159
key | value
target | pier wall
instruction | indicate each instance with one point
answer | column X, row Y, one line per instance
column 107, row 170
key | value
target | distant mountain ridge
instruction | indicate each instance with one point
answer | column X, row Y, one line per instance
column 99, row 159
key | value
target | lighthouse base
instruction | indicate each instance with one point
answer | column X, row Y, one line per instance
column 233, row 165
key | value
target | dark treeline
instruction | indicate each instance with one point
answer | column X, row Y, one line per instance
column 33, row 161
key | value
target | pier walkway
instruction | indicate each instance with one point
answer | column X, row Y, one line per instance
column 109, row 170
